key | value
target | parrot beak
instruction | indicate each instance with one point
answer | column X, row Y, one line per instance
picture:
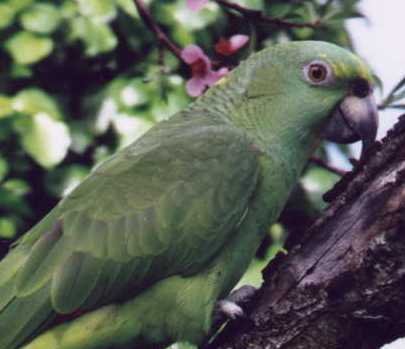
column 354, row 119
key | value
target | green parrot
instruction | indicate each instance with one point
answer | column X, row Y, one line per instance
column 140, row 253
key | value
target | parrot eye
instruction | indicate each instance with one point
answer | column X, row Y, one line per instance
column 318, row 73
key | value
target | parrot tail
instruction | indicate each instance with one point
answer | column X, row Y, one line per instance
column 22, row 318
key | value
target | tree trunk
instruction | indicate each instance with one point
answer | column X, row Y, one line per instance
column 342, row 285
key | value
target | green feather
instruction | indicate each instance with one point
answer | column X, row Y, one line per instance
column 45, row 254
column 74, row 280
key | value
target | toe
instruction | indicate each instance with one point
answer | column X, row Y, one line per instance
column 230, row 309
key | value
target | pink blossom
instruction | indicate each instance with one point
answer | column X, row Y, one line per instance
column 196, row 5
column 227, row 47
column 202, row 74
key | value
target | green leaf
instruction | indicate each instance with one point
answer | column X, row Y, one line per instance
column 63, row 180
column 100, row 11
column 179, row 15
column 7, row 14
column 32, row 101
column 280, row 10
column 69, row 9
column 14, row 203
column 81, row 135
column 28, row 48
column 8, row 228
column 128, row 7
column 97, row 37
column 41, row 18
column 19, row 71
column 6, row 106
column 17, row 186
column 19, row 5
column 316, row 182
column 130, row 128
column 133, row 93
column 44, row 138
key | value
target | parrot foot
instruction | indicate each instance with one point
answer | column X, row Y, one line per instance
column 230, row 309
column 232, row 306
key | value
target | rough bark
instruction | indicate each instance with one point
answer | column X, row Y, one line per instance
column 342, row 285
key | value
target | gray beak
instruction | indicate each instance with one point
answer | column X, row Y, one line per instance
column 354, row 119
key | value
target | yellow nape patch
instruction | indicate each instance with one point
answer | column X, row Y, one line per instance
column 363, row 69
column 344, row 70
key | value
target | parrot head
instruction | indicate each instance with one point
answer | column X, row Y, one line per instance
column 313, row 86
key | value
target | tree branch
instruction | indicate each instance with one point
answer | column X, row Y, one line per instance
column 257, row 15
column 342, row 286
column 156, row 30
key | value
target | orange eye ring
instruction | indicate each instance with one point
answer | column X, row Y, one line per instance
column 317, row 73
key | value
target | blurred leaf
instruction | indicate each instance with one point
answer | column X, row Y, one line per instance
column 69, row 9
column 178, row 13
column 17, row 186
column 100, row 154
column 307, row 12
column 97, row 37
column 279, row 10
column 6, row 106
column 28, row 48
column 19, row 5
column 63, row 180
column 129, row 7
column 19, row 71
column 100, row 11
column 44, row 138
column 81, row 136
column 316, row 182
column 32, row 101
column 8, row 228
column 133, row 93
column 130, row 128
column 7, row 14
column 14, row 203
column 41, row 18
column 182, row 346
column 107, row 112
column 330, row 12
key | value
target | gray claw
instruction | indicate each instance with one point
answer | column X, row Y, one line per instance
column 231, row 306
column 230, row 309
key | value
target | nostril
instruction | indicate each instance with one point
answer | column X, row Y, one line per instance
column 361, row 88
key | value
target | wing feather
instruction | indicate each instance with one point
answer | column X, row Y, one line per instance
column 163, row 206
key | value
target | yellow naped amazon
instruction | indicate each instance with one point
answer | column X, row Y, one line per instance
column 141, row 251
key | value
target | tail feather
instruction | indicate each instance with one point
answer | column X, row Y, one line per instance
column 22, row 317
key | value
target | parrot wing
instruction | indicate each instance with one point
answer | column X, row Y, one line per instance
column 162, row 206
